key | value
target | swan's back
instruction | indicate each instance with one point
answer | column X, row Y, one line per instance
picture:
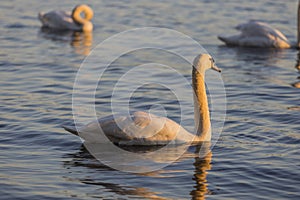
column 257, row 28
column 140, row 128
column 58, row 20
column 257, row 34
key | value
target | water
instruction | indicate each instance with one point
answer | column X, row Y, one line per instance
column 256, row 157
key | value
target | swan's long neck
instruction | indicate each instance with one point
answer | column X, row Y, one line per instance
column 298, row 28
column 201, row 110
column 87, row 26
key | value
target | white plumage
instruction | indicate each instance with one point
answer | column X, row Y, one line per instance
column 257, row 34
column 142, row 128
column 139, row 128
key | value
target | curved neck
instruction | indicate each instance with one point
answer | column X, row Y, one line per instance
column 201, row 110
column 298, row 28
column 87, row 26
column 78, row 19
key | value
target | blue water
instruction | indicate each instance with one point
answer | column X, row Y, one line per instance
column 256, row 156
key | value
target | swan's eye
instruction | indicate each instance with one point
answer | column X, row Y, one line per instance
column 212, row 61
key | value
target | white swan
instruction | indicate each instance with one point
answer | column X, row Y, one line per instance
column 259, row 34
column 63, row 20
column 142, row 128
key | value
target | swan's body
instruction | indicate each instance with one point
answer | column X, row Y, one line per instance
column 139, row 128
column 63, row 20
column 259, row 34
column 142, row 128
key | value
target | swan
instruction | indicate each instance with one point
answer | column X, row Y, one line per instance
column 259, row 34
column 143, row 128
column 63, row 20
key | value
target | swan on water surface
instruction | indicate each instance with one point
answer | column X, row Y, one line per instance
column 259, row 34
column 62, row 20
column 143, row 128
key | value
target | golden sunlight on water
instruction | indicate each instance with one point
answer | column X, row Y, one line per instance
column 255, row 157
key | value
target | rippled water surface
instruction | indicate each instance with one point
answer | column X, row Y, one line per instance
column 256, row 156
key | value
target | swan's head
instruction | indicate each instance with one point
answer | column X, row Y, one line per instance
column 203, row 62
column 86, row 23
column 87, row 27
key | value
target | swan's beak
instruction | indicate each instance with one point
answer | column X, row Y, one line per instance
column 214, row 67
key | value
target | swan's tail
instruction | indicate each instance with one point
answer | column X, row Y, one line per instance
column 71, row 130
column 226, row 40
column 231, row 40
column 222, row 38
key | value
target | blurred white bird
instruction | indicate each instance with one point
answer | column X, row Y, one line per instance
column 259, row 34
column 63, row 20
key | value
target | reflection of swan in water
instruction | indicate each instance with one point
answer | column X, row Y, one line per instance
column 83, row 159
column 80, row 41
column 63, row 20
column 258, row 34
column 146, row 129
column 296, row 84
column 297, row 66
column 254, row 55
column 202, row 165
column 254, row 63
column 200, row 153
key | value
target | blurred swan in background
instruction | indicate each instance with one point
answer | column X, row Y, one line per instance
column 259, row 34
column 63, row 20
column 142, row 128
